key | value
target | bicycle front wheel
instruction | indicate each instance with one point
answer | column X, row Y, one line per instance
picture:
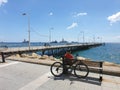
column 56, row 69
column 81, row 70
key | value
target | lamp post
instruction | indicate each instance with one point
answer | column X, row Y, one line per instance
column 94, row 39
column 83, row 36
column 28, row 29
column 101, row 40
column 50, row 34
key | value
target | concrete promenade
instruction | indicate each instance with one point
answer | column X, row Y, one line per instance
column 16, row 75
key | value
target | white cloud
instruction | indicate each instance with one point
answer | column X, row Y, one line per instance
column 3, row 2
column 73, row 25
column 114, row 18
column 80, row 14
column 51, row 13
column 117, row 37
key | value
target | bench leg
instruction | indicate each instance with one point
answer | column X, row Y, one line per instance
column 101, row 71
column 100, row 79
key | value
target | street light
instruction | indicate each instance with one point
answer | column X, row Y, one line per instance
column 50, row 34
column 99, row 39
column 28, row 29
column 83, row 36
column 94, row 39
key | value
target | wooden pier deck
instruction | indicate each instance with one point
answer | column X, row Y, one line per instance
column 43, row 49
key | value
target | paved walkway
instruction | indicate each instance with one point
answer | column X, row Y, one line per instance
column 72, row 83
column 107, row 69
column 16, row 75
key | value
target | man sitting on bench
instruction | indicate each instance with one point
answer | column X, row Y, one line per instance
column 68, row 57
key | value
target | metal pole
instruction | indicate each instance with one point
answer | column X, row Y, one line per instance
column 83, row 36
column 50, row 34
column 93, row 38
column 28, row 29
column 29, row 32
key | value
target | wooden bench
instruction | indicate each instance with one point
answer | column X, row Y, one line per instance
column 95, row 67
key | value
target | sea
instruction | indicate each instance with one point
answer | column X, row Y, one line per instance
column 109, row 52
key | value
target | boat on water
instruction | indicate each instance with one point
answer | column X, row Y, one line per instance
column 25, row 41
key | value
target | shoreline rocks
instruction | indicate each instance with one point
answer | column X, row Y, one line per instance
column 51, row 58
column 34, row 56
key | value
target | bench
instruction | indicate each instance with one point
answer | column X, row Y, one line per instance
column 95, row 67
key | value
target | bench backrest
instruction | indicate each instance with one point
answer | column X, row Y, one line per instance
column 93, row 63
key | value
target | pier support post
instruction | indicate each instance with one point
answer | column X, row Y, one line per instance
column 52, row 52
column 43, row 52
column 3, row 58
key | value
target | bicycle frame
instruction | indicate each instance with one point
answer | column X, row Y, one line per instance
column 65, row 69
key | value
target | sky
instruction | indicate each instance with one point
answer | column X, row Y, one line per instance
column 50, row 20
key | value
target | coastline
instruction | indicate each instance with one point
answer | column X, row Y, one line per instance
column 108, row 52
column 108, row 67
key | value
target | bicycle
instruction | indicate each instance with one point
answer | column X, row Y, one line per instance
column 80, row 69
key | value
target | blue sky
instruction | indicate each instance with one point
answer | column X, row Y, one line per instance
column 69, row 19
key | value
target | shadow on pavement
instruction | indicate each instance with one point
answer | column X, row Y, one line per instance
column 72, row 78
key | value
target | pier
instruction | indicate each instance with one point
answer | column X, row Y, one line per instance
column 49, row 49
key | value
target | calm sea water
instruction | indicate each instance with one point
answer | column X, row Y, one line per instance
column 108, row 52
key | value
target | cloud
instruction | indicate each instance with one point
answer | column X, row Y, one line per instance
column 80, row 14
column 118, row 37
column 51, row 13
column 73, row 25
column 3, row 2
column 114, row 18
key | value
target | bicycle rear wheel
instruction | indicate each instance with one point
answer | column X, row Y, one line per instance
column 56, row 69
column 81, row 70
